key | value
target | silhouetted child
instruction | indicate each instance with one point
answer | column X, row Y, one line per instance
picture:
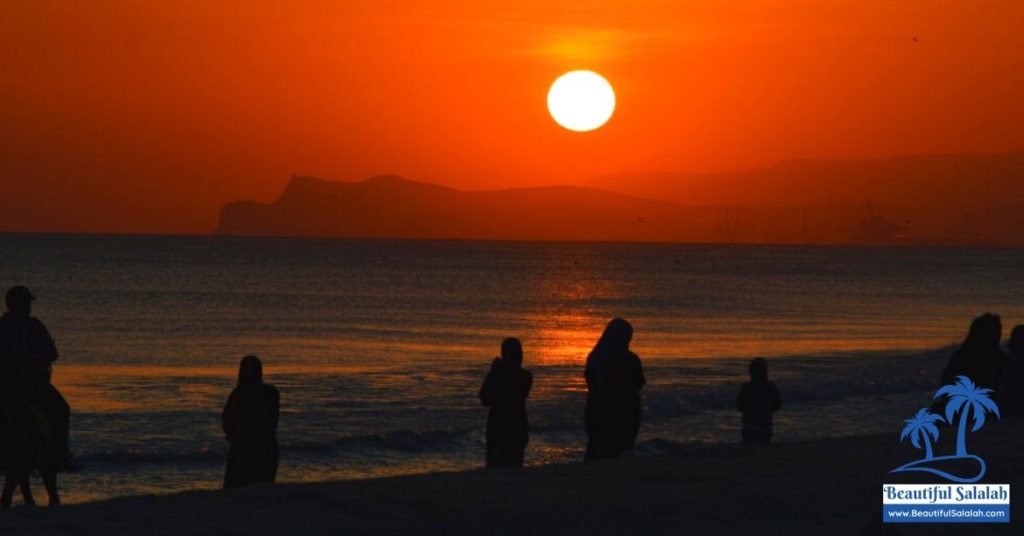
column 614, row 377
column 758, row 400
column 1010, row 396
column 250, row 424
column 505, row 391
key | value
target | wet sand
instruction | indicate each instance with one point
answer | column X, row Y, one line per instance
column 830, row 486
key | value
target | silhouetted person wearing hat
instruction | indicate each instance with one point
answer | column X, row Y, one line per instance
column 1010, row 395
column 758, row 400
column 505, row 391
column 27, row 353
column 614, row 378
column 250, row 424
column 980, row 357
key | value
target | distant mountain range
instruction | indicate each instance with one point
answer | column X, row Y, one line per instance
column 931, row 199
column 937, row 200
column 393, row 207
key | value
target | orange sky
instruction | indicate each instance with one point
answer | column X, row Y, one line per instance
column 145, row 116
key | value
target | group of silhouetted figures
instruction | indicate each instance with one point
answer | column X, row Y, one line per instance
column 612, row 415
column 34, row 416
column 614, row 377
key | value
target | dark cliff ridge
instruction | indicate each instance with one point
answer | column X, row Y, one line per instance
column 388, row 206
column 392, row 207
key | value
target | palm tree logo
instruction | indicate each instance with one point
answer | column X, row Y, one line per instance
column 921, row 429
column 971, row 403
column 967, row 399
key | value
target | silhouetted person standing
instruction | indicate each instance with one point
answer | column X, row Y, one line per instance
column 250, row 424
column 27, row 353
column 1010, row 395
column 614, row 378
column 505, row 391
column 758, row 400
column 980, row 357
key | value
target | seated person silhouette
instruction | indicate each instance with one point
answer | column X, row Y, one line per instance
column 1010, row 396
column 35, row 413
column 758, row 400
column 505, row 391
column 250, row 424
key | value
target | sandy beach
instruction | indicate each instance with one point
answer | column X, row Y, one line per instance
column 822, row 486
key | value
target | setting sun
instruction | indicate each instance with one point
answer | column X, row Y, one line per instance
column 581, row 100
column 269, row 262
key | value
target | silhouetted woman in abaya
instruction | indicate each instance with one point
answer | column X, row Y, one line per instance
column 1010, row 395
column 250, row 424
column 980, row 357
column 614, row 378
column 505, row 390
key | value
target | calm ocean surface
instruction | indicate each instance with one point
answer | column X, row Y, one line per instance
column 379, row 347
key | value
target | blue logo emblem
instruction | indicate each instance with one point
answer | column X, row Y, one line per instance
column 966, row 403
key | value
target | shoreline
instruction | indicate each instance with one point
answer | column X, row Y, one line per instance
column 801, row 487
column 141, row 466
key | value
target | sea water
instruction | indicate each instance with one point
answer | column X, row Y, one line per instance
column 379, row 347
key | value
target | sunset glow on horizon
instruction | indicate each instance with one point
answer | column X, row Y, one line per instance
column 375, row 264
column 149, row 116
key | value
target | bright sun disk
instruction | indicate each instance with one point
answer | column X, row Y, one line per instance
column 581, row 100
